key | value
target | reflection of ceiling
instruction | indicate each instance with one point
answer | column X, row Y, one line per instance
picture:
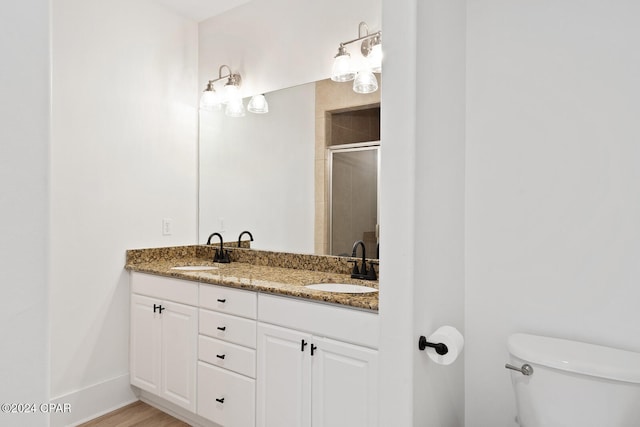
column 199, row 10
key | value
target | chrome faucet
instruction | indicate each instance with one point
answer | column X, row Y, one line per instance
column 242, row 234
column 362, row 272
column 221, row 255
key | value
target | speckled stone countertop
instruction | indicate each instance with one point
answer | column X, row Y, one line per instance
column 249, row 272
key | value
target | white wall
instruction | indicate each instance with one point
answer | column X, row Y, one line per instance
column 24, row 197
column 397, row 214
column 553, row 199
column 123, row 156
column 422, row 218
column 257, row 173
column 439, row 205
column 281, row 43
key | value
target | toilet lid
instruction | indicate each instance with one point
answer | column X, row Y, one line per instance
column 578, row 357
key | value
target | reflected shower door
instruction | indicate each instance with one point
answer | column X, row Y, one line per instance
column 354, row 197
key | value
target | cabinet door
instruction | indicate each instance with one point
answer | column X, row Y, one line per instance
column 179, row 354
column 345, row 385
column 145, row 339
column 283, row 377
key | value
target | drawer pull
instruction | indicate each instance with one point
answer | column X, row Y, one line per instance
column 220, row 400
column 222, row 328
column 220, row 356
column 222, row 300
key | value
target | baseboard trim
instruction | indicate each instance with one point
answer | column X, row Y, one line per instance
column 176, row 411
column 93, row 401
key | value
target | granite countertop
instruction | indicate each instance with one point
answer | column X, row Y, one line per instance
column 261, row 278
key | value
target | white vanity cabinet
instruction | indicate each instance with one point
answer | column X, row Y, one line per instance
column 230, row 357
column 227, row 356
column 163, row 339
column 317, row 365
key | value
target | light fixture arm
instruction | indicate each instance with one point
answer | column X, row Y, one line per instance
column 234, row 78
column 220, row 76
column 362, row 37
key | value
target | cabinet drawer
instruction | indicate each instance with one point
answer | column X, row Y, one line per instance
column 228, row 328
column 226, row 355
column 225, row 397
column 344, row 324
column 228, row 300
column 165, row 288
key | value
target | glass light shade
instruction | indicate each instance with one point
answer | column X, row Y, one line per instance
column 235, row 108
column 258, row 104
column 365, row 82
column 375, row 58
column 341, row 71
column 210, row 100
column 231, row 94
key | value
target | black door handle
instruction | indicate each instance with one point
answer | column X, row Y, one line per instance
column 303, row 344
column 313, row 348
column 220, row 400
column 220, row 356
column 222, row 328
column 222, row 300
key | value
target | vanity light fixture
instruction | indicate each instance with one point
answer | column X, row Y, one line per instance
column 210, row 99
column 371, row 48
column 365, row 82
column 230, row 96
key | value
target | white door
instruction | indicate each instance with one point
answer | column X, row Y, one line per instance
column 283, row 377
column 179, row 354
column 146, row 329
column 345, row 385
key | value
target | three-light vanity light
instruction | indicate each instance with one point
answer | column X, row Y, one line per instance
column 230, row 96
column 364, row 81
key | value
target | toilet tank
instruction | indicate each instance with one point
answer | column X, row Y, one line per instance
column 574, row 384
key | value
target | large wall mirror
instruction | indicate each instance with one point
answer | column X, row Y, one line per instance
column 302, row 178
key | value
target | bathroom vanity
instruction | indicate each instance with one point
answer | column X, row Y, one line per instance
column 247, row 344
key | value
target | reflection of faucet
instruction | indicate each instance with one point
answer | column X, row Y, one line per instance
column 221, row 254
column 362, row 273
column 242, row 234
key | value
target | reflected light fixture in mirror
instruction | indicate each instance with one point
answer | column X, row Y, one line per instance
column 258, row 104
column 371, row 48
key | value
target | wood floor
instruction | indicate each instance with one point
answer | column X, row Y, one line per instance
column 138, row 414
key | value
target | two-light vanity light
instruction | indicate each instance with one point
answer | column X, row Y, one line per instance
column 364, row 81
column 230, row 96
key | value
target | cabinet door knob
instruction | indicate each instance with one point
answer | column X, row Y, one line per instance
column 222, row 328
column 303, row 344
column 220, row 400
column 313, row 348
column 220, row 356
column 222, row 300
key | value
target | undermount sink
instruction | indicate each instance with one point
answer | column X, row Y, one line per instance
column 194, row 268
column 343, row 288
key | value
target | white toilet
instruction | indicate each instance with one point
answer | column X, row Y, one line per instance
column 573, row 384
